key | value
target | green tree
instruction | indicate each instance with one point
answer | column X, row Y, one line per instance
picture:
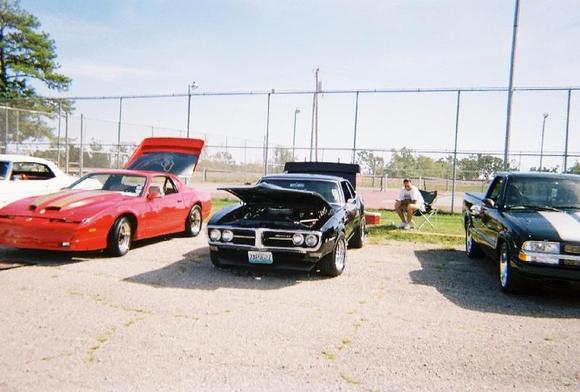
column 370, row 163
column 27, row 54
column 574, row 169
column 402, row 164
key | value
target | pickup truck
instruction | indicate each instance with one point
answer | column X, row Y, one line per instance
column 530, row 224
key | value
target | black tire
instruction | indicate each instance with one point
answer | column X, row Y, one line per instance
column 472, row 250
column 214, row 259
column 193, row 222
column 119, row 238
column 333, row 264
column 509, row 280
column 358, row 239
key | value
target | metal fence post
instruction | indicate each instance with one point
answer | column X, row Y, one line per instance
column 17, row 130
column 267, row 138
column 455, row 151
column 81, row 149
column 58, row 134
column 510, row 87
column 66, row 146
column 5, row 131
column 567, row 129
column 119, row 133
column 355, row 129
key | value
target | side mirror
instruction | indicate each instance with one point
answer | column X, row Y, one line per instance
column 153, row 195
column 488, row 202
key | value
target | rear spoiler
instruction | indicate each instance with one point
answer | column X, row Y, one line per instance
column 348, row 171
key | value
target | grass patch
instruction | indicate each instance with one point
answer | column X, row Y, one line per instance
column 218, row 204
column 448, row 229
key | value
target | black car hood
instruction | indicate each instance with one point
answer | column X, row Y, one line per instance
column 548, row 225
column 271, row 194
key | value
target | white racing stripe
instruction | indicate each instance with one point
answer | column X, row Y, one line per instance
column 567, row 225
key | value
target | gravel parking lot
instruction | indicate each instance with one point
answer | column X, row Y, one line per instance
column 401, row 317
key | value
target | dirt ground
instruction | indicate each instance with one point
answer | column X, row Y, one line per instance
column 402, row 317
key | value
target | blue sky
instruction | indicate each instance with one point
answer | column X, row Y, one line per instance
column 159, row 46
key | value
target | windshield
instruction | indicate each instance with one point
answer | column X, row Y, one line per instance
column 4, row 167
column 129, row 185
column 327, row 189
column 554, row 193
column 166, row 162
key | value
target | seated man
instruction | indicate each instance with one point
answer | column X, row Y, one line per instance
column 410, row 199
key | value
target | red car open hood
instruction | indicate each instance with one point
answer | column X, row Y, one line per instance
column 175, row 155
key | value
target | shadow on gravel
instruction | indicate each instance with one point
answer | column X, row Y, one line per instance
column 195, row 271
column 11, row 258
column 472, row 284
column 17, row 258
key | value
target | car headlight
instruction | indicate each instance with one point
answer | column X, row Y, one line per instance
column 540, row 252
column 311, row 240
column 297, row 239
column 227, row 235
column 541, row 247
column 215, row 235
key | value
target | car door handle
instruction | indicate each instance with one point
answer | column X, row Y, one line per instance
column 179, row 201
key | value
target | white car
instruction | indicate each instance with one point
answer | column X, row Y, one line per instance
column 22, row 176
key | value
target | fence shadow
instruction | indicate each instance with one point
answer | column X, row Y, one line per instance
column 195, row 271
column 472, row 284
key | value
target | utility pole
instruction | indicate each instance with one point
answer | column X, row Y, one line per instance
column 510, row 87
column 316, row 116
column 190, row 88
column 296, row 111
column 545, row 115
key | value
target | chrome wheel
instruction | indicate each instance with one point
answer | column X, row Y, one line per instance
column 340, row 255
column 503, row 266
column 124, row 237
column 195, row 221
column 468, row 241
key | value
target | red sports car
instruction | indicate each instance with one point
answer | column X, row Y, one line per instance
column 111, row 208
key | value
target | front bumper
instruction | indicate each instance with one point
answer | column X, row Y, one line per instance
column 42, row 234
column 281, row 260
column 540, row 271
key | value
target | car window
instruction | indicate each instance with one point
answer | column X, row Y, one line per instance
column 31, row 171
column 346, row 191
column 129, row 185
column 4, row 167
column 551, row 192
column 495, row 191
column 164, row 184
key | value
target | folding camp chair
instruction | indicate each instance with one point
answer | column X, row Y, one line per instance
column 430, row 209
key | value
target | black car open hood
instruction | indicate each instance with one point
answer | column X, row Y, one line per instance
column 264, row 193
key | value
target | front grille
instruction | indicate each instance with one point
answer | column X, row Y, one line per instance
column 244, row 237
column 277, row 239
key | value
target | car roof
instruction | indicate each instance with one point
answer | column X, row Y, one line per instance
column 19, row 158
column 302, row 176
column 538, row 175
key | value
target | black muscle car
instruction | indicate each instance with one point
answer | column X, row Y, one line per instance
column 530, row 224
column 289, row 221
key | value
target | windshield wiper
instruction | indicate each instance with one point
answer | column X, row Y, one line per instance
column 569, row 207
column 535, row 207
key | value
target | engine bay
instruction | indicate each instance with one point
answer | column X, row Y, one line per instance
column 284, row 216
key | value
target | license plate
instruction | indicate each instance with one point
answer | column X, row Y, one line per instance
column 260, row 257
